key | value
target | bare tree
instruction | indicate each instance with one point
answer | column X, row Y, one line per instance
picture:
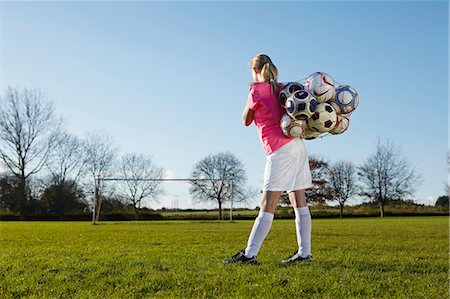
column 67, row 160
column 386, row 175
column 136, row 167
column 27, row 133
column 66, row 165
column 99, row 154
column 219, row 178
column 341, row 183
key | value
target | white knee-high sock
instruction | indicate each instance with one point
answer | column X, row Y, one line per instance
column 259, row 232
column 298, row 224
column 303, row 230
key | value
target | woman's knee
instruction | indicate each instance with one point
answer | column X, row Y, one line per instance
column 269, row 201
column 297, row 198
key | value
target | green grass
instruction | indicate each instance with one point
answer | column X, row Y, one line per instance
column 405, row 257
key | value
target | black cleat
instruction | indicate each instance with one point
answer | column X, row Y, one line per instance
column 297, row 258
column 241, row 258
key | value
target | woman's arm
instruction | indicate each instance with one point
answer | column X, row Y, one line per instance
column 247, row 116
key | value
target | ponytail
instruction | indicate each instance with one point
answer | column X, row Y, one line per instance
column 269, row 71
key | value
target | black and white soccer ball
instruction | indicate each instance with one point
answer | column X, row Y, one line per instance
column 323, row 119
column 288, row 90
column 301, row 105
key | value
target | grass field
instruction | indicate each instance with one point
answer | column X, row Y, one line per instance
column 405, row 257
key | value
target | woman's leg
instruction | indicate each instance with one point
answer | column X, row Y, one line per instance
column 297, row 198
column 269, row 201
column 263, row 222
column 302, row 222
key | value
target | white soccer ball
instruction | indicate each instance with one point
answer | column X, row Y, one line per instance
column 301, row 105
column 324, row 118
column 291, row 127
column 288, row 90
column 321, row 85
column 346, row 99
column 342, row 124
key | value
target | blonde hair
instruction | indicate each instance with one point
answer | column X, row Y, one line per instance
column 268, row 70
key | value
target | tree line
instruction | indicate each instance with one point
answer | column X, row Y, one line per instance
column 47, row 170
column 50, row 171
column 385, row 176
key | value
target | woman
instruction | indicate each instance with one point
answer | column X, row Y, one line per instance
column 287, row 167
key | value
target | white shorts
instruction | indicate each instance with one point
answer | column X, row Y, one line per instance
column 287, row 168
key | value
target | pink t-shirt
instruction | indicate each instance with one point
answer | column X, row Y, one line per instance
column 267, row 116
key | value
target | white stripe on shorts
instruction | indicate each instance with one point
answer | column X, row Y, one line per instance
column 287, row 168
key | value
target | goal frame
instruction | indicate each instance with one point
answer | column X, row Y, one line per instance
column 98, row 180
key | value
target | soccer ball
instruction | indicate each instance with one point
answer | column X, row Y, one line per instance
column 346, row 99
column 324, row 118
column 310, row 134
column 342, row 124
column 291, row 127
column 301, row 105
column 289, row 89
column 321, row 85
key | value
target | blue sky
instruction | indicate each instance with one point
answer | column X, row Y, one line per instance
column 170, row 79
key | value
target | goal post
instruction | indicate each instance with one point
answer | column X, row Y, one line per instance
column 98, row 180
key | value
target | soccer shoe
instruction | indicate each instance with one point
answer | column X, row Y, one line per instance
column 241, row 258
column 297, row 258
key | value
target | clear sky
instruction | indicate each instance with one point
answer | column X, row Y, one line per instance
column 170, row 79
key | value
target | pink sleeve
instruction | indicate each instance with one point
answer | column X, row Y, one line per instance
column 253, row 100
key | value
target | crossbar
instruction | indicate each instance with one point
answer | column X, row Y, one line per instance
column 189, row 180
column 159, row 180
